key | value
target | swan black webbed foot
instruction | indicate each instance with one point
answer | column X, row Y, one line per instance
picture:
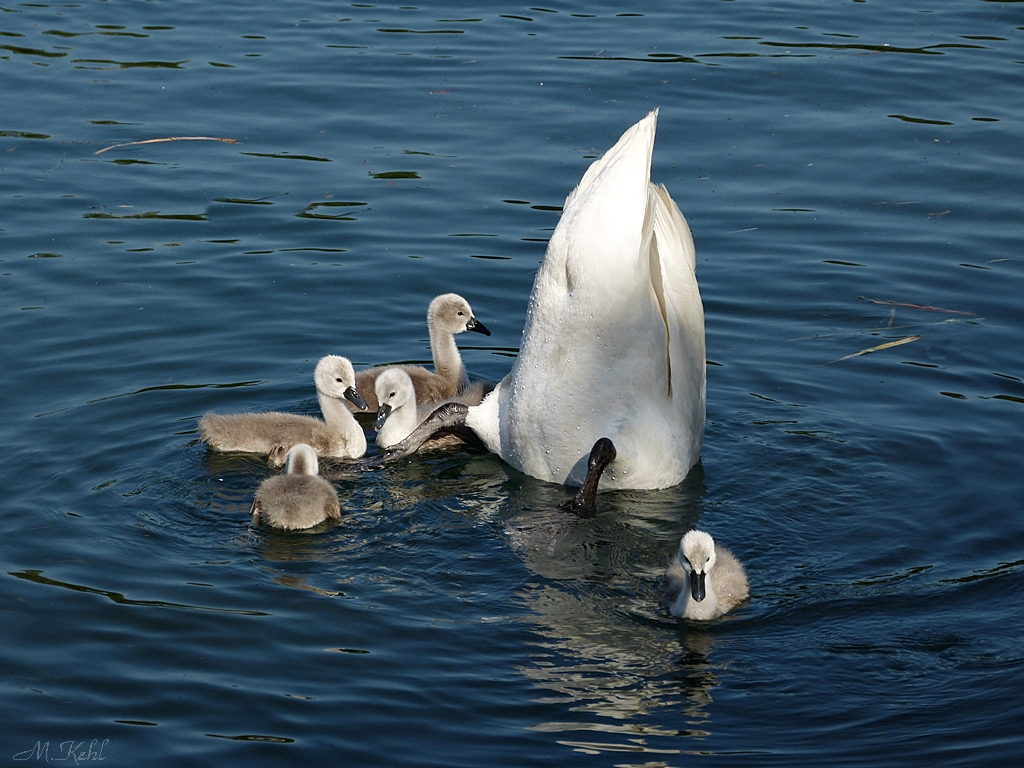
column 584, row 503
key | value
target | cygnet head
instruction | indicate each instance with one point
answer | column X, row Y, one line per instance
column 394, row 390
column 697, row 554
column 301, row 460
column 336, row 378
column 451, row 313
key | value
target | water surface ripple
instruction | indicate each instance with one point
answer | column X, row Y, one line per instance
column 852, row 176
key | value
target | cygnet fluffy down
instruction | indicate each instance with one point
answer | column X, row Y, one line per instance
column 704, row 580
column 299, row 498
column 338, row 435
column 398, row 414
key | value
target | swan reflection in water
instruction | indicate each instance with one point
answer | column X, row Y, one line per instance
column 606, row 646
column 602, row 648
column 609, row 647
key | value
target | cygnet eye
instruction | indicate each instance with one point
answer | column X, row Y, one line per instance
column 339, row 380
column 392, row 394
column 461, row 313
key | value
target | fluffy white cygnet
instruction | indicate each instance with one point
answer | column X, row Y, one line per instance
column 447, row 315
column 338, row 435
column 704, row 580
column 398, row 414
column 299, row 498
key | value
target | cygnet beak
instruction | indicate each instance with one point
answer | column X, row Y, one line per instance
column 476, row 325
column 382, row 416
column 353, row 396
column 697, row 585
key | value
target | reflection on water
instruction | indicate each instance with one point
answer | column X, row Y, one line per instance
column 605, row 645
column 592, row 659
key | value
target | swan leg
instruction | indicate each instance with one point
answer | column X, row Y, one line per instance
column 447, row 416
column 278, row 455
column 584, row 503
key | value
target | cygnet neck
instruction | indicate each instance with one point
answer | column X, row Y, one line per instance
column 447, row 360
column 339, row 418
column 302, row 460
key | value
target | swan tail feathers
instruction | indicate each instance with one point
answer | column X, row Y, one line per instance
column 673, row 262
column 643, row 131
column 595, row 245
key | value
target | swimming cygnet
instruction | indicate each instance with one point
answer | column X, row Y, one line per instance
column 299, row 498
column 338, row 435
column 447, row 315
column 704, row 580
column 398, row 414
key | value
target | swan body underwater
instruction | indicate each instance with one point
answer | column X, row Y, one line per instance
column 338, row 435
column 399, row 414
column 299, row 498
column 704, row 580
column 613, row 345
column 447, row 315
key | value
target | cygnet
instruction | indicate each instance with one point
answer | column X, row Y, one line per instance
column 447, row 315
column 704, row 580
column 398, row 414
column 299, row 498
column 338, row 435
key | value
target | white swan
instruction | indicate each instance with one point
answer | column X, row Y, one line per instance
column 704, row 580
column 339, row 435
column 398, row 414
column 447, row 315
column 614, row 340
column 299, row 498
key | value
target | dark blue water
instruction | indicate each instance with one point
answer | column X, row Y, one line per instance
column 852, row 175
